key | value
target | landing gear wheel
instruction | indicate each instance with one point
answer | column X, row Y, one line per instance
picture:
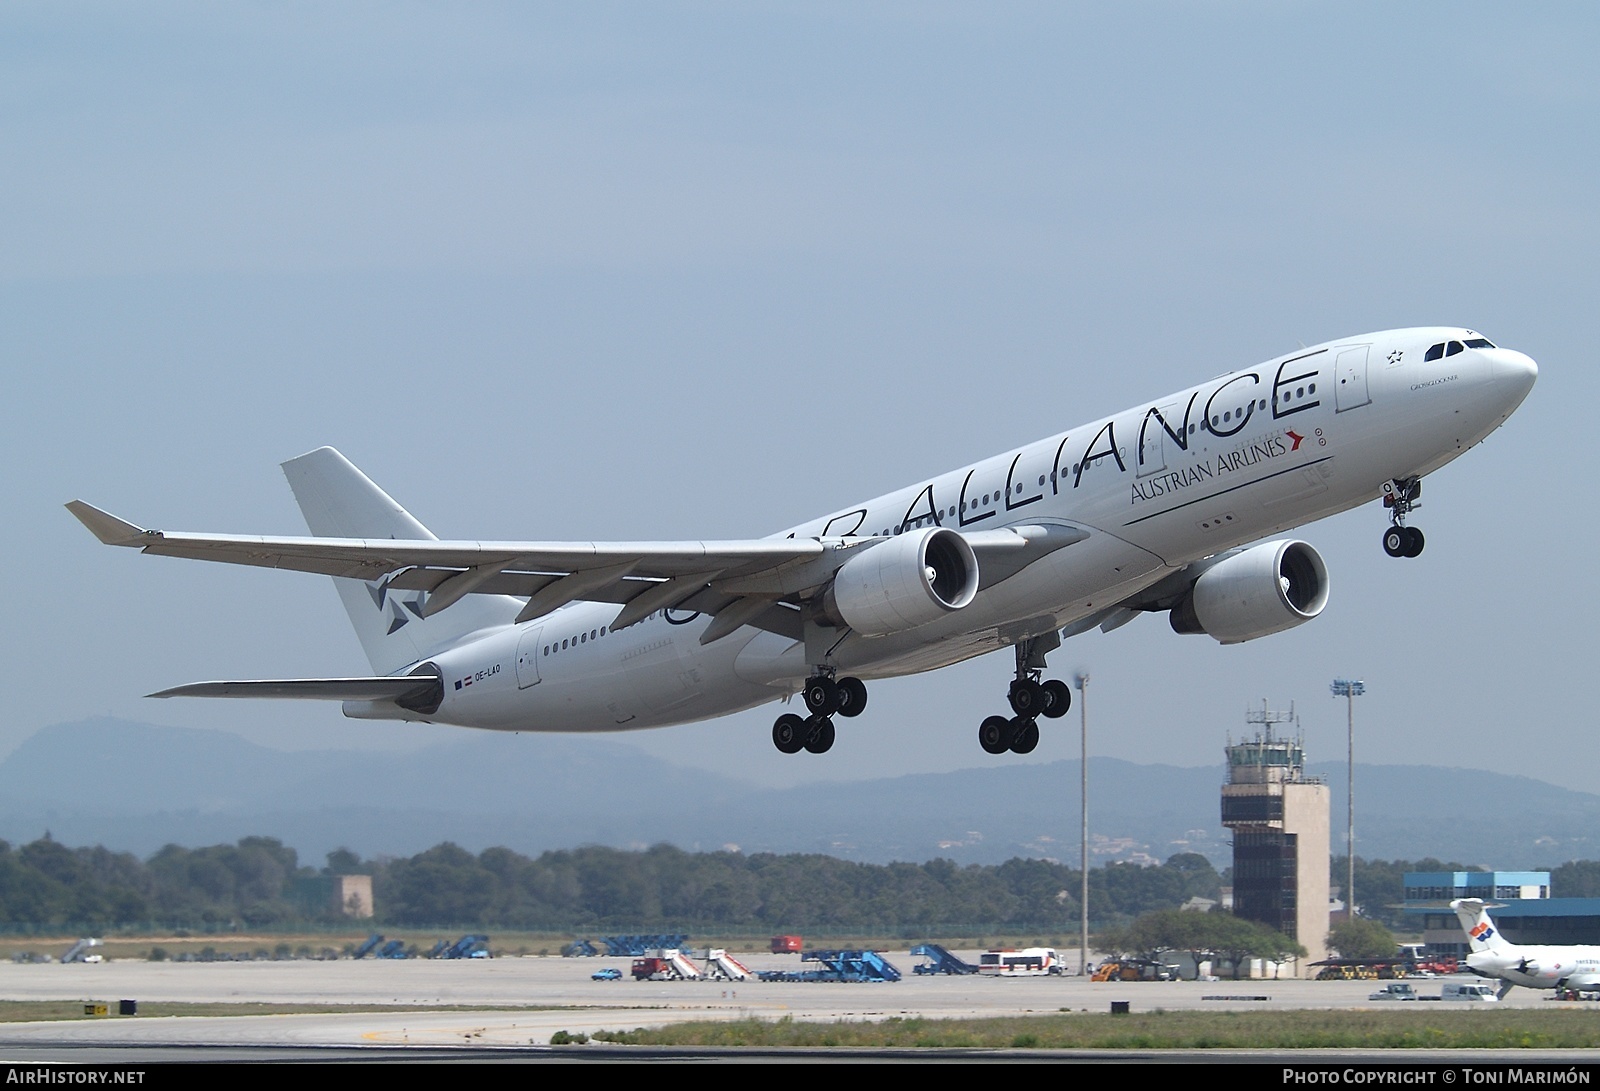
column 1027, row 697
column 1058, row 697
column 852, row 696
column 1414, row 542
column 822, row 695
column 1395, row 541
column 1025, row 735
column 789, row 733
column 994, row 735
column 819, row 737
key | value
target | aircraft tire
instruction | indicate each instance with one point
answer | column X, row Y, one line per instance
column 1414, row 542
column 1026, row 737
column 819, row 737
column 1027, row 697
column 822, row 696
column 1060, row 698
column 1395, row 540
column 789, row 733
column 852, row 696
column 994, row 735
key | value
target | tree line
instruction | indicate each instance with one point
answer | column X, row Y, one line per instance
column 260, row 883
column 1205, row 937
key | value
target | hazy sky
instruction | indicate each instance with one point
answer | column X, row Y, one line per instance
column 700, row 270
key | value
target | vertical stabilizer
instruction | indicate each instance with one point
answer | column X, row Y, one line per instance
column 1481, row 931
column 339, row 501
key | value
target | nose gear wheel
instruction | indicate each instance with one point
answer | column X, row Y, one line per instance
column 1400, row 497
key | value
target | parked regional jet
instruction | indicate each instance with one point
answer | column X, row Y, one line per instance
column 1572, row 967
column 1147, row 510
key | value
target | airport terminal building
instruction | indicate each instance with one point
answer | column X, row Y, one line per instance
column 1525, row 912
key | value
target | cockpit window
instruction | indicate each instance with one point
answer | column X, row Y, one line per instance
column 1450, row 348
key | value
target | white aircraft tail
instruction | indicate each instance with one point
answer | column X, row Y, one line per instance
column 1480, row 929
column 339, row 501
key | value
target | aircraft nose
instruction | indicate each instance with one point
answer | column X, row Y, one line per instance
column 1516, row 371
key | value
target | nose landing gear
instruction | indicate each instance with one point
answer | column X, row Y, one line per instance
column 1400, row 497
column 1399, row 541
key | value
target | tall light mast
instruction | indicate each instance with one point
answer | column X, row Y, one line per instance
column 1081, row 680
column 1350, row 690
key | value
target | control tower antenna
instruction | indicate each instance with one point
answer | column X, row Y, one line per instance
column 1268, row 717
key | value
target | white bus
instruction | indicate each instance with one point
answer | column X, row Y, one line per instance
column 1028, row 962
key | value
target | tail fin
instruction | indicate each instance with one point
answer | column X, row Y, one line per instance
column 339, row 501
column 1481, row 931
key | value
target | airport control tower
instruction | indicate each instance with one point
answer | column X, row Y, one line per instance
column 1279, row 820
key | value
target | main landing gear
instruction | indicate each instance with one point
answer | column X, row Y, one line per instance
column 1030, row 697
column 826, row 697
column 1400, row 497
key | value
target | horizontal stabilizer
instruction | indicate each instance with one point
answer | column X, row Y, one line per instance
column 408, row 689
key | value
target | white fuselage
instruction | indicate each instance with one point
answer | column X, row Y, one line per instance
column 1156, row 487
column 1540, row 967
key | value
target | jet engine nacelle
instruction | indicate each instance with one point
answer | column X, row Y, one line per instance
column 1263, row 590
column 907, row 581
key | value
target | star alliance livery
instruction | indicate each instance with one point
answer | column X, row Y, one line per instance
column 1151, row 509
column 1492, row 955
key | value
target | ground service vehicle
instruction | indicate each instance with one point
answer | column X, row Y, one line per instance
column 1135, row 969
column 1395, row 990
column 1028, row 962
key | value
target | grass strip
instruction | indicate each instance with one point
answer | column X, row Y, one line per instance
column 1156, row 1030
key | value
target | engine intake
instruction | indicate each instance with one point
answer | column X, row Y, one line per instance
column 907, row 581
column 1263, row 590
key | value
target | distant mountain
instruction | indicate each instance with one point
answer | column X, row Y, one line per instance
column 136, row 787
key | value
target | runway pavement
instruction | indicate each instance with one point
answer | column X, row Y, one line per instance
column 526, row 1000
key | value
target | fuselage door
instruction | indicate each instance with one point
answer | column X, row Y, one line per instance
column 1153, row 438
column 1350, row 368
column 528, row 658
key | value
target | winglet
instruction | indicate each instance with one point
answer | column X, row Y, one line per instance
column 107, row 527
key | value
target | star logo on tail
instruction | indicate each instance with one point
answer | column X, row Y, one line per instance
column 397, row 617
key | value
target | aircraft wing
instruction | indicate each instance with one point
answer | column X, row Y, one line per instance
column 740, row 581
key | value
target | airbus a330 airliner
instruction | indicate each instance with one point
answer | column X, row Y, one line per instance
column 1148, row 510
